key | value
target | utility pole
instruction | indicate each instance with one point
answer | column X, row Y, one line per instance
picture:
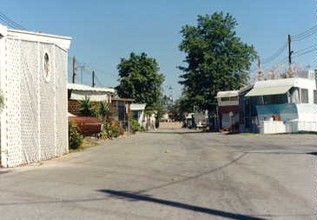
column 171, row 94
column 74, row 69
column 289, row 51
column 260, row 75
column 82, row 68
column 93, row 78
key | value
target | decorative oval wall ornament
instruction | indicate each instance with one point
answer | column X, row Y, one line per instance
column 47, row 72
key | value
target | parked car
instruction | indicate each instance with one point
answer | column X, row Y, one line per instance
column 87, row 126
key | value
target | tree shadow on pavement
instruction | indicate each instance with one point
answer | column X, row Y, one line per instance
column 131, row 196
column 314, row 153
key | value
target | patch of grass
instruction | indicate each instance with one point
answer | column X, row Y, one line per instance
column 87, row 143
column 90, row 142
column 251, row 134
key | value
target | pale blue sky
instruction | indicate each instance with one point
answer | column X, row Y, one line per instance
column 104, row 31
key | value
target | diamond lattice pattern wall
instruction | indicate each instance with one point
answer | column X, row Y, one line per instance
column 34, row 123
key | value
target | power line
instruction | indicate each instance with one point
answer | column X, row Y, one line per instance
column 305, row 52
column 9, row 22
column 102, row 71
column 98, row 81
column 304, row 37
column 298, row 37
column 87, row 70
column 306, row 48
column 281, row 62
column 305, row 34
column 276, row 54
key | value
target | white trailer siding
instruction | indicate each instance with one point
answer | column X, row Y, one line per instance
column 297, row 114
column 34, row 124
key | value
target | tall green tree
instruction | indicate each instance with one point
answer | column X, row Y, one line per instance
column 216, row 59
column 177, row 110
column 141, row 80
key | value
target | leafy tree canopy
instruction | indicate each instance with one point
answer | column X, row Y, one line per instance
column 140, row 80
column 178, row 109
column 217, row 59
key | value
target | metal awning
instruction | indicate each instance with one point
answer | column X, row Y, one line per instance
column 232, row 93
column 137, row 107
column 85, row 88
column 268, row 91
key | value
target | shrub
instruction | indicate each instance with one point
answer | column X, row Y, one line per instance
column 135, row 126
column 75, row 139
column 87, row 108
column 104, row 111
column 115, row 129
column 122, row 131
column 104, row 134
column 111, row 130
column 107, row 130
column 115, row 132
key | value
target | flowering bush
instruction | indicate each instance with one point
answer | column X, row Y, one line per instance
column 75, row 139
column 111, row 130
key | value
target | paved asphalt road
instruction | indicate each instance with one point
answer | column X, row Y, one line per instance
column 170, row 174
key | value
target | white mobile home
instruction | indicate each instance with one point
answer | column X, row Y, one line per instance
column 286, row 105
column 138, row 113
column 33, row 79
column 228, row 110
column 78, row 92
